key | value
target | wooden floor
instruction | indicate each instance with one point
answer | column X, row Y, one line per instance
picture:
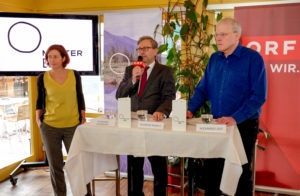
column 36, row 182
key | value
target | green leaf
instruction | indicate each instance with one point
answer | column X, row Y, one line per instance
column 184, row 30
column 176, row 38
column 183, row 37
column 194, row 76
column 205, row 60
column 193, row 33
column 261, row 147
column 219, row 16
column 184, row 89
column 173, row 25
column 179, row 54
column 267, row 135
column 171, row 54
column 205, row 2
column 202, row 18
column 183, row 73
column 206, row 107
column 170, row 63
column 194, row 29
column 188, row 5
column 208, row 40
column 186, row 163
column 155, row 30
column 191, row 14
column 176, row 19
column 191, row 74
column 215, row 47
column 162, row 48
column 177, row 86
column 205, row 22
column 166, row 30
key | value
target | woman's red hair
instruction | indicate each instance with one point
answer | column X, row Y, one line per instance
column 62, row 52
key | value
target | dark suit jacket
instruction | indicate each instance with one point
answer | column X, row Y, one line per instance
column 158, row 92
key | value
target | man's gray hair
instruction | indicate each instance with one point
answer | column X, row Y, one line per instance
column 153, row 42
column 236, row 27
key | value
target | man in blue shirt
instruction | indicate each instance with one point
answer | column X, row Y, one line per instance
column 235, row 83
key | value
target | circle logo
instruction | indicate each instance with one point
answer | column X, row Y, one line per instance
column 24, row 37
column 115, row 55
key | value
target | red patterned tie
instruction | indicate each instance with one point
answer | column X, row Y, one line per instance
column 143, row 81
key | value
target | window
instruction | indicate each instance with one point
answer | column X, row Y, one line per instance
column 15, row 132
column 93, row 90
column 93, row 86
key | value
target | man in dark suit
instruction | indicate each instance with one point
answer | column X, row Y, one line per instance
column 153, row 93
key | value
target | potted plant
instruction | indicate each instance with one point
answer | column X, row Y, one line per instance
column 187, row 47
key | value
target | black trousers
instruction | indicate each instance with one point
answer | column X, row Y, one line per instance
column 136, row 175
column 214, row 167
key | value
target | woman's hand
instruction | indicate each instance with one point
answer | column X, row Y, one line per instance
column 38, row 122
column 38, row 114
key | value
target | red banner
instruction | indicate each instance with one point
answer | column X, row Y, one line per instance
column 282, row 47
column 274, row 31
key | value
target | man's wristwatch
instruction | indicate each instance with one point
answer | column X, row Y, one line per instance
column 165, row 116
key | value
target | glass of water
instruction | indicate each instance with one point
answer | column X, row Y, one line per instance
column 142, row 115
column 110, row 114
column 206, row 118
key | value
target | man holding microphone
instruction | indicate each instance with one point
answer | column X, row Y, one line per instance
column 150, row 88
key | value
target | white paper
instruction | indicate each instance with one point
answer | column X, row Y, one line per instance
column 103, row 121
column 179, row 115
column 213, row 128
column 124, row 112
column 150, row 124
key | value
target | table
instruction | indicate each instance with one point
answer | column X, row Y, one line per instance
column 94, row 147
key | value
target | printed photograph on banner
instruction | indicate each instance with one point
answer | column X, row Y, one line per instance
column 121, row 33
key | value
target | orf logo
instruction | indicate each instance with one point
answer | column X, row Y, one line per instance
column 24, row 37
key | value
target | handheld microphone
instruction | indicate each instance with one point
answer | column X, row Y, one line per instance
column 139, row 63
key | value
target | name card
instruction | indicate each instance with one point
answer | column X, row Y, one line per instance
column 150, row 125
column 104, row 121
column 211, row 128
column 179, row 115
column 124, row 112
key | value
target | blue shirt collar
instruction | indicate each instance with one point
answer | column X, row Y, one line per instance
column 236, row 52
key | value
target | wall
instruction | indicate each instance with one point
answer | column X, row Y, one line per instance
column 92, row 5
column 48, row 6
column 17, row 5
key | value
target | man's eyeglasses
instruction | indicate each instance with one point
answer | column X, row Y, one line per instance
column 145, row 49
column 223, row 34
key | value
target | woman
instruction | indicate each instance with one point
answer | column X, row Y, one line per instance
column 60, row 108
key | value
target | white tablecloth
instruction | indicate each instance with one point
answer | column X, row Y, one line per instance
column 94, row 147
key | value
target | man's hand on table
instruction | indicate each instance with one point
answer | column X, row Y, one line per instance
column 189, row 114
column 229, row 121
column 158, row 116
